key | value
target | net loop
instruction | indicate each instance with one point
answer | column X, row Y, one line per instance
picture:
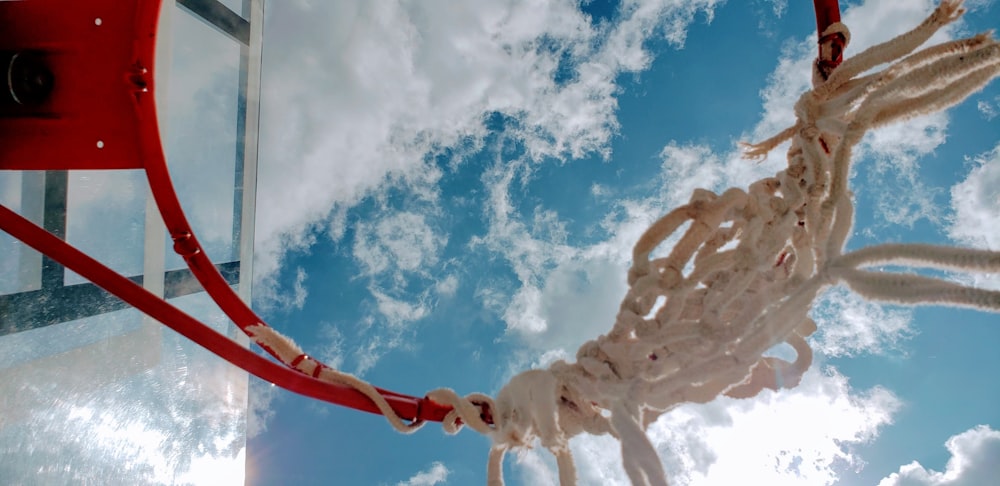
column 474, row 410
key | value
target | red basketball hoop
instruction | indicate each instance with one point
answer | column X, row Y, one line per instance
column 92, row 66
column 85, row 101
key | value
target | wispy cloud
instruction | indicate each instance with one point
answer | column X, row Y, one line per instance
column 397, row 244
column 447, row 286
column 895, row 152
column 332, row 351
column 975, row 460
column 276, row 295
column 563, row 294
column 398, row 312
column 436, row 474
column 374, row 343
column 989, row 109
column 779, row 7
column 400, row 83
column 399, row 255
column 850, row 326
column 976, row 204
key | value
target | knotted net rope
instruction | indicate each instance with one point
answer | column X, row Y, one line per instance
column 742, row 277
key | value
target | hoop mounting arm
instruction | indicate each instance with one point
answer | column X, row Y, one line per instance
column 831, row 45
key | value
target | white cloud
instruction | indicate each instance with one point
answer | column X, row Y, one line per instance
column 396, row 254
column 278, row 298
column 398, row 312
column 988, row 109
column 374, row 340
column 599, row 190
column 332, row 352
column 896, row 151
column 578, row 301
column 688, row 167
column 976, row 204
column 299, row 291
column 976, row 5
column 447, row 286
column 779, row 7
column 530, row 257
column 849, row 325
column 399, row 243
column 437, row 474
column 795, row 437
column 975, row 460
column 491, row 296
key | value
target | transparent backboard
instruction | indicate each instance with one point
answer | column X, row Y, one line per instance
column 91, row 389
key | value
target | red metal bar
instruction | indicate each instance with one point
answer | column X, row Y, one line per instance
column 827, row 13
column 831, row 47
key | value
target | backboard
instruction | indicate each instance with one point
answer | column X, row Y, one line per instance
column 89, row 387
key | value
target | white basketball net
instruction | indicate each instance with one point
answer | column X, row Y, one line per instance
column 696, row 323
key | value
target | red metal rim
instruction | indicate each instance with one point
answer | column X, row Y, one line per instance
column 141, row 148
column 131, row 69
column 830, row 46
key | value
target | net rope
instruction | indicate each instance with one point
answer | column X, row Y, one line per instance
column 696, row 323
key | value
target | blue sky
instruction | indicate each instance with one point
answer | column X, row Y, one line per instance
column 449, row 193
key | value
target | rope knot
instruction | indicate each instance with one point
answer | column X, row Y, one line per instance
column 527, row 408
